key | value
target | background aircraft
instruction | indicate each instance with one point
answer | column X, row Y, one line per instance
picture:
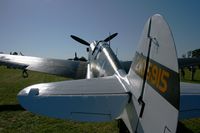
column 146, row 97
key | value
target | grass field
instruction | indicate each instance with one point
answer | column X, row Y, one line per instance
column 14, row 119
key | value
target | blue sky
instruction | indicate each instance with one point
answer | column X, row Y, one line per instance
column 43, row 27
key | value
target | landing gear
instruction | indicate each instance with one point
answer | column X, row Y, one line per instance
column 25, row 74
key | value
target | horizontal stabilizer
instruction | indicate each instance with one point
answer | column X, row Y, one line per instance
column 189, row 101
column 98, row 99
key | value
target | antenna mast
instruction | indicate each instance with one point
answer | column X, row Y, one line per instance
column 109, row 40
column 116, row 52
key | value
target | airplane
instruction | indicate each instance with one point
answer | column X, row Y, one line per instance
column 148, row 97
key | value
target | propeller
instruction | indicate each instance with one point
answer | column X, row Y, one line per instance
column 110, row 37
column 88, row 44
column 80, row 40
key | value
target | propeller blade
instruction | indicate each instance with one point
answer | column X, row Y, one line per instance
column 80, row 40
column 110, row 37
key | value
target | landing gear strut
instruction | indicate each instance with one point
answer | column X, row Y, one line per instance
column 25, row 73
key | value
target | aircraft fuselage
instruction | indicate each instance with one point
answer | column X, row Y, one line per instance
column 102, row 60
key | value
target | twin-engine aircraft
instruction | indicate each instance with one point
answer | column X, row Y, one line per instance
column 148, row 97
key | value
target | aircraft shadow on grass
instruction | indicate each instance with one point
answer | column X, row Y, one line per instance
column 181, row 128
column 11, row 107
column 16, row 107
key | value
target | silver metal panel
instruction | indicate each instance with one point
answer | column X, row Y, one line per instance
column 100, row 99
column 103, row 61
column 66, row 68
column 105, row 85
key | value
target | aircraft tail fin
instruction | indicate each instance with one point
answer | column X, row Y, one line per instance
column 154, row 78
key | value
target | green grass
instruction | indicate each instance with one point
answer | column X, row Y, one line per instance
column 191, row 125
column 15, row 119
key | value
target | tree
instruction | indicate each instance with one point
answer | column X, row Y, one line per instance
column 82, row 59
column 196, row 53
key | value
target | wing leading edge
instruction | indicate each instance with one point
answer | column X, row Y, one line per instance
column 66, row 68
column 98, row 99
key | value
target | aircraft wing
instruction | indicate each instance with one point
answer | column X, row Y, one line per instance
column 187, row 62
column 189, row 101
column 66, row 68
column 97, row 99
